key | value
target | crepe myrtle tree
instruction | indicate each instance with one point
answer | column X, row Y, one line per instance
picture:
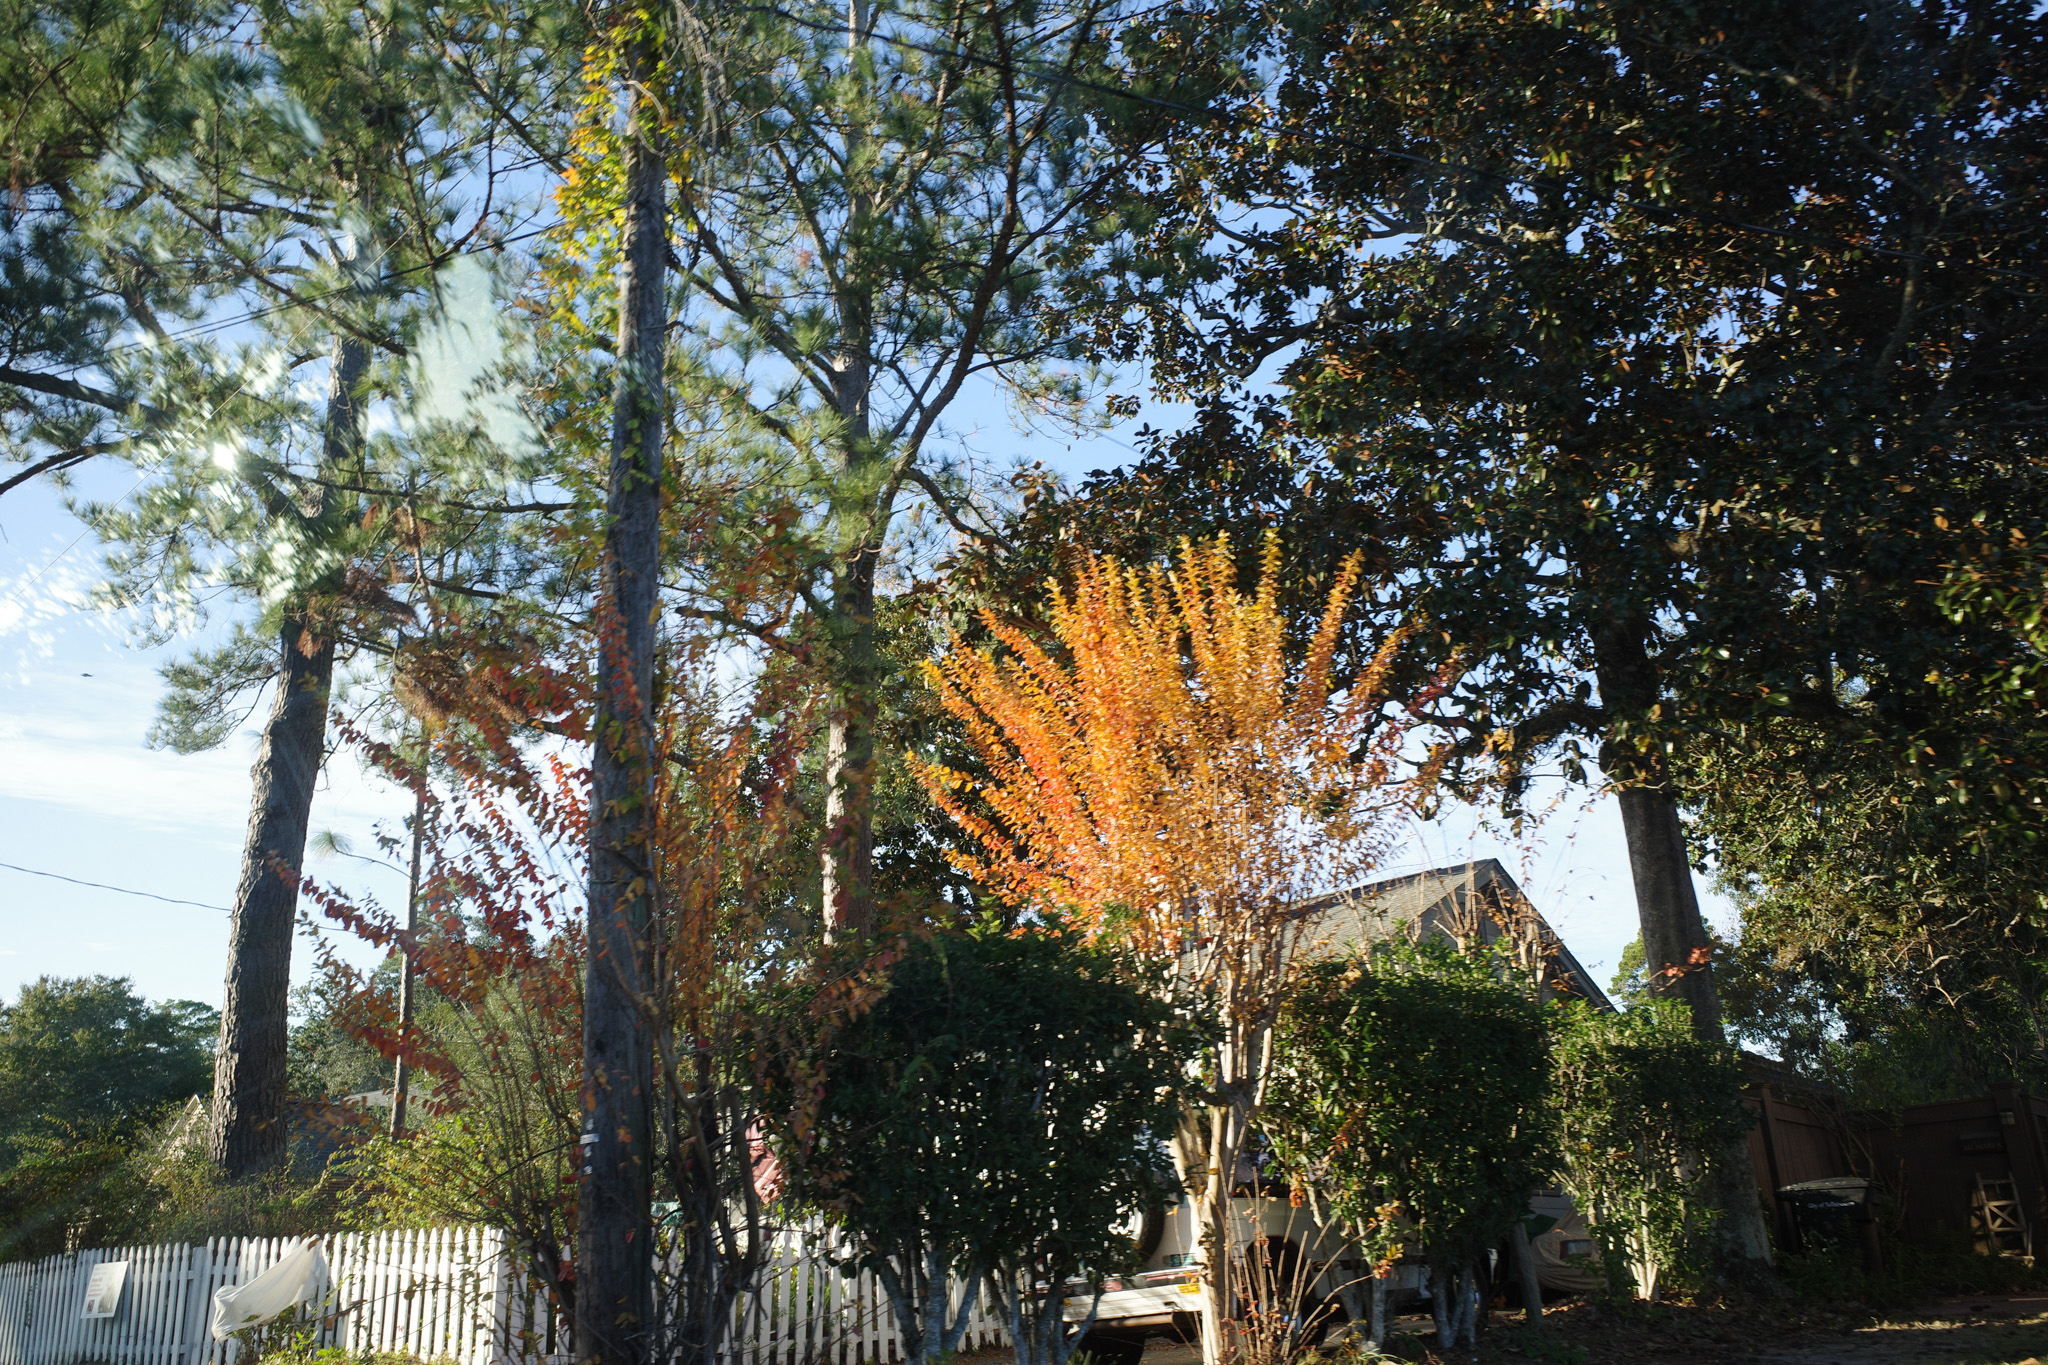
column 1668, row 357
column 1184, row 780
column 991, row 1118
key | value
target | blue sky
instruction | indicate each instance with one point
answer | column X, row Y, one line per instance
column 82, row 795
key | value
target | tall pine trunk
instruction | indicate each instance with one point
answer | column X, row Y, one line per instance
column 848, row 855
column 1677, row 960
column 247, row 1129
column 614, row 1280
column 847, row 859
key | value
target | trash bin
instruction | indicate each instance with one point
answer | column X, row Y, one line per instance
column 1838, row 1213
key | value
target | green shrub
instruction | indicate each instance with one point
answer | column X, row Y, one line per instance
column 1643, row 1107
column 1408, row 1091
column 159, row 1187
column 989, row 1115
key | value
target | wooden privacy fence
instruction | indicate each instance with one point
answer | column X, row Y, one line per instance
column 441, row 1294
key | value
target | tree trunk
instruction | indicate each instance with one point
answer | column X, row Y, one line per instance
column 401, row 1078
column 247, row 1128
column 1677, row 955
column 1465, row 1321
column 1676, row 962
column 614, row 1280
column 848, row 856
column 1377, row 1325
column 1198, row 1161
column 1525, row 1273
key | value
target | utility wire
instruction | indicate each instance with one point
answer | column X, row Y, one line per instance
column 102, row 886
column 146, row 895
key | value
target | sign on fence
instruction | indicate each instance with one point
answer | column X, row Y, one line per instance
column 103, row 1290
column 454, row 1295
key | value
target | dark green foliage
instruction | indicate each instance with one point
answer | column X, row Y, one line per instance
column 1882, row 950
column 990, row 1114
column 87, row 1058
column 90, row 1074
column 208, row 696
column 1410, row 1085
column 1581, row 339
column 1643, row 1105
column 159, row 1187
column 71, row 72
column 325, row 1058
column 103, row 1128
column 1916, row 1269
column 58, row 1188
column 1626, row 987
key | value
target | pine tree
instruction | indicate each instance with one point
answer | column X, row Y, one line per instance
column 72, row 73
column 326, row 197
column 874, row 217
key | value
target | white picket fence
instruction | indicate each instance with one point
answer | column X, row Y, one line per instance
column 441, row 1294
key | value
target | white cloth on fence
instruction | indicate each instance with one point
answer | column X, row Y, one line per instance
column 299, row 1275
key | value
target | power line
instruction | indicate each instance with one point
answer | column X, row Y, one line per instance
column 102, row 886
column 151, row 895
column 308, row 300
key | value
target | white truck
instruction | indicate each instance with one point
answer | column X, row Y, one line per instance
column 1164, row 1298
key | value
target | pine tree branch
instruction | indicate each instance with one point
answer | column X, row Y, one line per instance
column 79, row 393
column 63, row 459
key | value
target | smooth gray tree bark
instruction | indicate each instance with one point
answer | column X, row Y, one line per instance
column 848, row 852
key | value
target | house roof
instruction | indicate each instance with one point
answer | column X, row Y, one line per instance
column 1462, row 902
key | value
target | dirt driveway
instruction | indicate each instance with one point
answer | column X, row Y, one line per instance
column 1981, row 1330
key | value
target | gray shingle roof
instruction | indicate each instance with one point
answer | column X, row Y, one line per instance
column 1460, row 902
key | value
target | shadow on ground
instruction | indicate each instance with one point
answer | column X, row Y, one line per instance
column 1980, row 1330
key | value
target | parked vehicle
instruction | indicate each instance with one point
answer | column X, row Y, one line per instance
column 1467, row 902
column 1329, row 1286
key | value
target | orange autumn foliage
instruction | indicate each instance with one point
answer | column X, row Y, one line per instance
column 1170, row 772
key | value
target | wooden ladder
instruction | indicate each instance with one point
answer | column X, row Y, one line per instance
column 2000, row 1218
